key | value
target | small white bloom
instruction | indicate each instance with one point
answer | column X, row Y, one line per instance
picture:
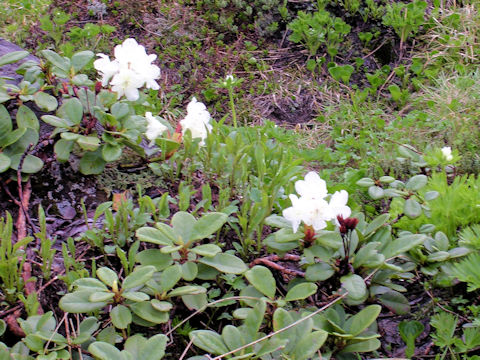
column 127, row 83
column 312, row 187
column 106, row 68
column 313, row 212
column 338, row 205
column 197, row 121
column 311, row 208
column 154, row 127
column 447, row 153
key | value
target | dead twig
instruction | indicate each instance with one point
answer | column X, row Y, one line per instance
column 270, row 262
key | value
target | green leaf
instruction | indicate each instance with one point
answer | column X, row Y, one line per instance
column 155, row 236
column 26, row 118
column 365, row 182
column 80, row 59
column 78, row 302
column 356, row 324
column 195, row 302
column 395, row 302
column 3, row 327
column 403, row 244
column 208, row 250
column 342, row 73
column 226, row 263
column 355, row 286
column 232, row 337
column 301, row 291
column 56, row 121
column 409, row 331
column 187, row 290
column 89, row 284
column 57, row 60
column 4, row 162
column 438, row 256
column 138, row 277
column 281, row 319
column 12, row 57
column 102, row 296
column 44, row 101
column 362, row 346
column 161, row 305
column 376, row 192
column 111, row 152
column 108, row 276
column 92, row 163
column 189, row 271
column 209, row 341
column 412, row 208
column 88, row 143
column 12, row 137
column 207, row 225
column 4, row 97
column 71, row 110
column 63, row 149
column 121, row 317
column 146, row 311
column 153, row 349
column 5, row 121
column 105, row 351
column 262, row 279
column 154, row 257
column 20, row 146
column 31, row 164
column 170, row 277
column 319, row 272
column 135, row 296
column 416, row 182
column 182, row 223
column 309, row 345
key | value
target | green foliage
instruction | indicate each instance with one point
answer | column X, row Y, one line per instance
column 405, row 19
column 317, row 29
column 466, row 271
column 409, row 331
column 12, row 258
column 348, row 333
column 444, row 337
column 47, row 252
column 231, row 16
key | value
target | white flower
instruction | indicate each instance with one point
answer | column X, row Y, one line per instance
column 447, row 153
column 197, row 121
column 127, row 82
column 313, row 187
column 311, row 212
column 131, row 69
column 338, row 205
column 311, row 208
column 154, row 127
column 106, row 68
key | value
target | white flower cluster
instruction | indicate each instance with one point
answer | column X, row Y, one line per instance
column 447, row 153
column 311, row 208
column 131, row 70
column 197, row 121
